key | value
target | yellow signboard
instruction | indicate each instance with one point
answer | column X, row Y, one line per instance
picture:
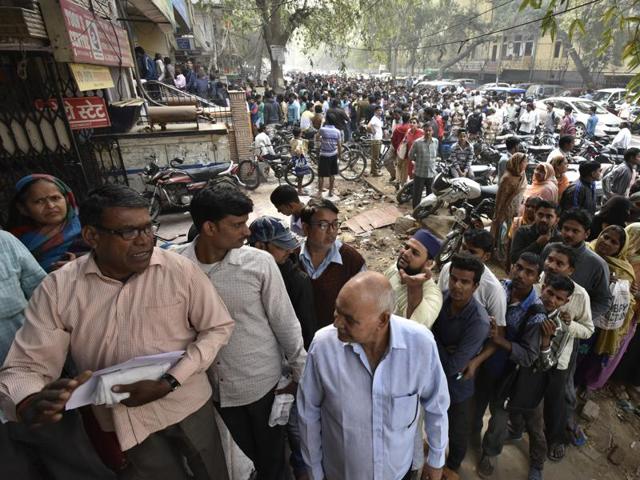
column 91, row 77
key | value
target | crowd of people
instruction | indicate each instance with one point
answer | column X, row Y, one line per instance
column 190, row 76
column 289, row 343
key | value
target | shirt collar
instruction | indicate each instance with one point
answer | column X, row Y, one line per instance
column 92, row 267
column 524, row 304
column 333, row 256
column 232, row 256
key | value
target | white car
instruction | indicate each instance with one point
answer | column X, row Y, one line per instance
column 608, row 124
column 438, row 84
column 493, row 85
column 608, row 96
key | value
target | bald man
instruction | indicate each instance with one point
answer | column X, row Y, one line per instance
column 365, row 380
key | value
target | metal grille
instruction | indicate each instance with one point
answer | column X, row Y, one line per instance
column 36, row 138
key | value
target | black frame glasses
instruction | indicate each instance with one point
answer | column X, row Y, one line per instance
column 131, row 233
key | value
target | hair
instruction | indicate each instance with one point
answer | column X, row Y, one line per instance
column 296, row 131
column 580, row 215
column 586, row 169
column 559, row 282
column 468, row 263
column 214, row 203
column 547, row 204
column 621, row 232
column 631, row 153
column 108, row 196
column 557, row 161
column 532, row 259
column 563, row 249
column 565, row 140
column 532, row 202
column 313, row 206
column 283, row 195
column 461, row 131
column 139, row 50
column 317, row 109
column 479, row 238
column 405, row 117
column 568, row 108
column 512, row 142
column 166, row 60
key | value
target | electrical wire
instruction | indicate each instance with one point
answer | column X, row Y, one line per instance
column 482, row 35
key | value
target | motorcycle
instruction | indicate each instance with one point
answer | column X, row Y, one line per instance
column 172, row 187
column 452, row 191
column 465, row 217
column 484, row 175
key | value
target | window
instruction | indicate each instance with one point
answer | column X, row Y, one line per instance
column 556, row 49
column 494, row 53
column 503, row 52
column 528, row 48
column 516, row 45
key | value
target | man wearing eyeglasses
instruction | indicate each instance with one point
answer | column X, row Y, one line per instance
column 125, row 299
column 328, row 262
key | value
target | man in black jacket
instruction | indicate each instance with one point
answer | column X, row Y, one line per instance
column 533, row 238
column 269, row 234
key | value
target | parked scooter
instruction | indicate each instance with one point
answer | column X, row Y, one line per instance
column 452, row 191
column 174, row 187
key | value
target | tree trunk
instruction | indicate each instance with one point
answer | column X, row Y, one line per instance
column 464, row 53
column 581, row 68
column 277, row 77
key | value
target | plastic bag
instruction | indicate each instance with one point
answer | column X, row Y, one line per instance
column 621, row 300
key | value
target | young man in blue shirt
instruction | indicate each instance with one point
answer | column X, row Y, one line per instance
column 460, row 331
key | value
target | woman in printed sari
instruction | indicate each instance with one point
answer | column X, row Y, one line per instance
column 44, row 217
column 628, row 372
column 613, row 332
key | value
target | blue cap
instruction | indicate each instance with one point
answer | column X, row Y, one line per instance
column 429, row 240
column 271, row 230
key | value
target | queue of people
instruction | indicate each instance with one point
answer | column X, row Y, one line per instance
column 290, row 340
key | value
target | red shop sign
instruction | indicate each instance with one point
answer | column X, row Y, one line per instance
column 82, row 112
column 93, row 39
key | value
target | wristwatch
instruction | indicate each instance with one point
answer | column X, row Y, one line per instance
column 170, row 379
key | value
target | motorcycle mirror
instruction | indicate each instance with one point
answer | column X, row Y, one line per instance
column 177, row 160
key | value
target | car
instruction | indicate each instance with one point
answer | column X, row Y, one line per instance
column 493, row 85
column 608, row 124
column 538, row 91
column 504, row 91
column 467, row 83
column 439, row 85
column 608, row 96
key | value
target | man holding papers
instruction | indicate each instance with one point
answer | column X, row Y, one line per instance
column 126, row 299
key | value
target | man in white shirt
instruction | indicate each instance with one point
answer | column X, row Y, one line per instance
column 623, row 139
column 262, row 143
column 528, row 120
column 375, row 128
column 305, row 120
column 366, row 380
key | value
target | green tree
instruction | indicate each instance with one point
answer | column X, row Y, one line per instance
column 606, row 32
column 315, row 22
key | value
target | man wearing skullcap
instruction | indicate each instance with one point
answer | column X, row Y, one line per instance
column 417, row 297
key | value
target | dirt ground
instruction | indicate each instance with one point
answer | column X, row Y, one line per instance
column 613, row 448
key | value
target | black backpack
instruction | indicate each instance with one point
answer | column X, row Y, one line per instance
column 474, row 124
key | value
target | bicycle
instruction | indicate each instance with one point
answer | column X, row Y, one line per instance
column 284, row 166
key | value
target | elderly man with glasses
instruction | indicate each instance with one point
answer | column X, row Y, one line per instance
column 328, row 262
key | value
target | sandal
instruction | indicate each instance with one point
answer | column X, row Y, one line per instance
column 556, row 452
column 578, row 438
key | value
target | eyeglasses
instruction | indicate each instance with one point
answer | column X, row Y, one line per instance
column 324, row 225
column 131, row 233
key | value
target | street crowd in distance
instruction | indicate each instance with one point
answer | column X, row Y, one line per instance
column 290, row 344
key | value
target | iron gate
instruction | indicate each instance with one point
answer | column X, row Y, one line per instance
column 36, row 138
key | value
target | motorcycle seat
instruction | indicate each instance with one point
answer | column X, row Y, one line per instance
column 488, row 190
column 204, row 174
column 540, row 148
column 480, row 170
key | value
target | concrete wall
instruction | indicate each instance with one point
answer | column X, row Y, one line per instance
column 150, row 37
column 196, row 148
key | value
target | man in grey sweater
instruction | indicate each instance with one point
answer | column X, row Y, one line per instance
column 592, row 273
column 619, row 181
